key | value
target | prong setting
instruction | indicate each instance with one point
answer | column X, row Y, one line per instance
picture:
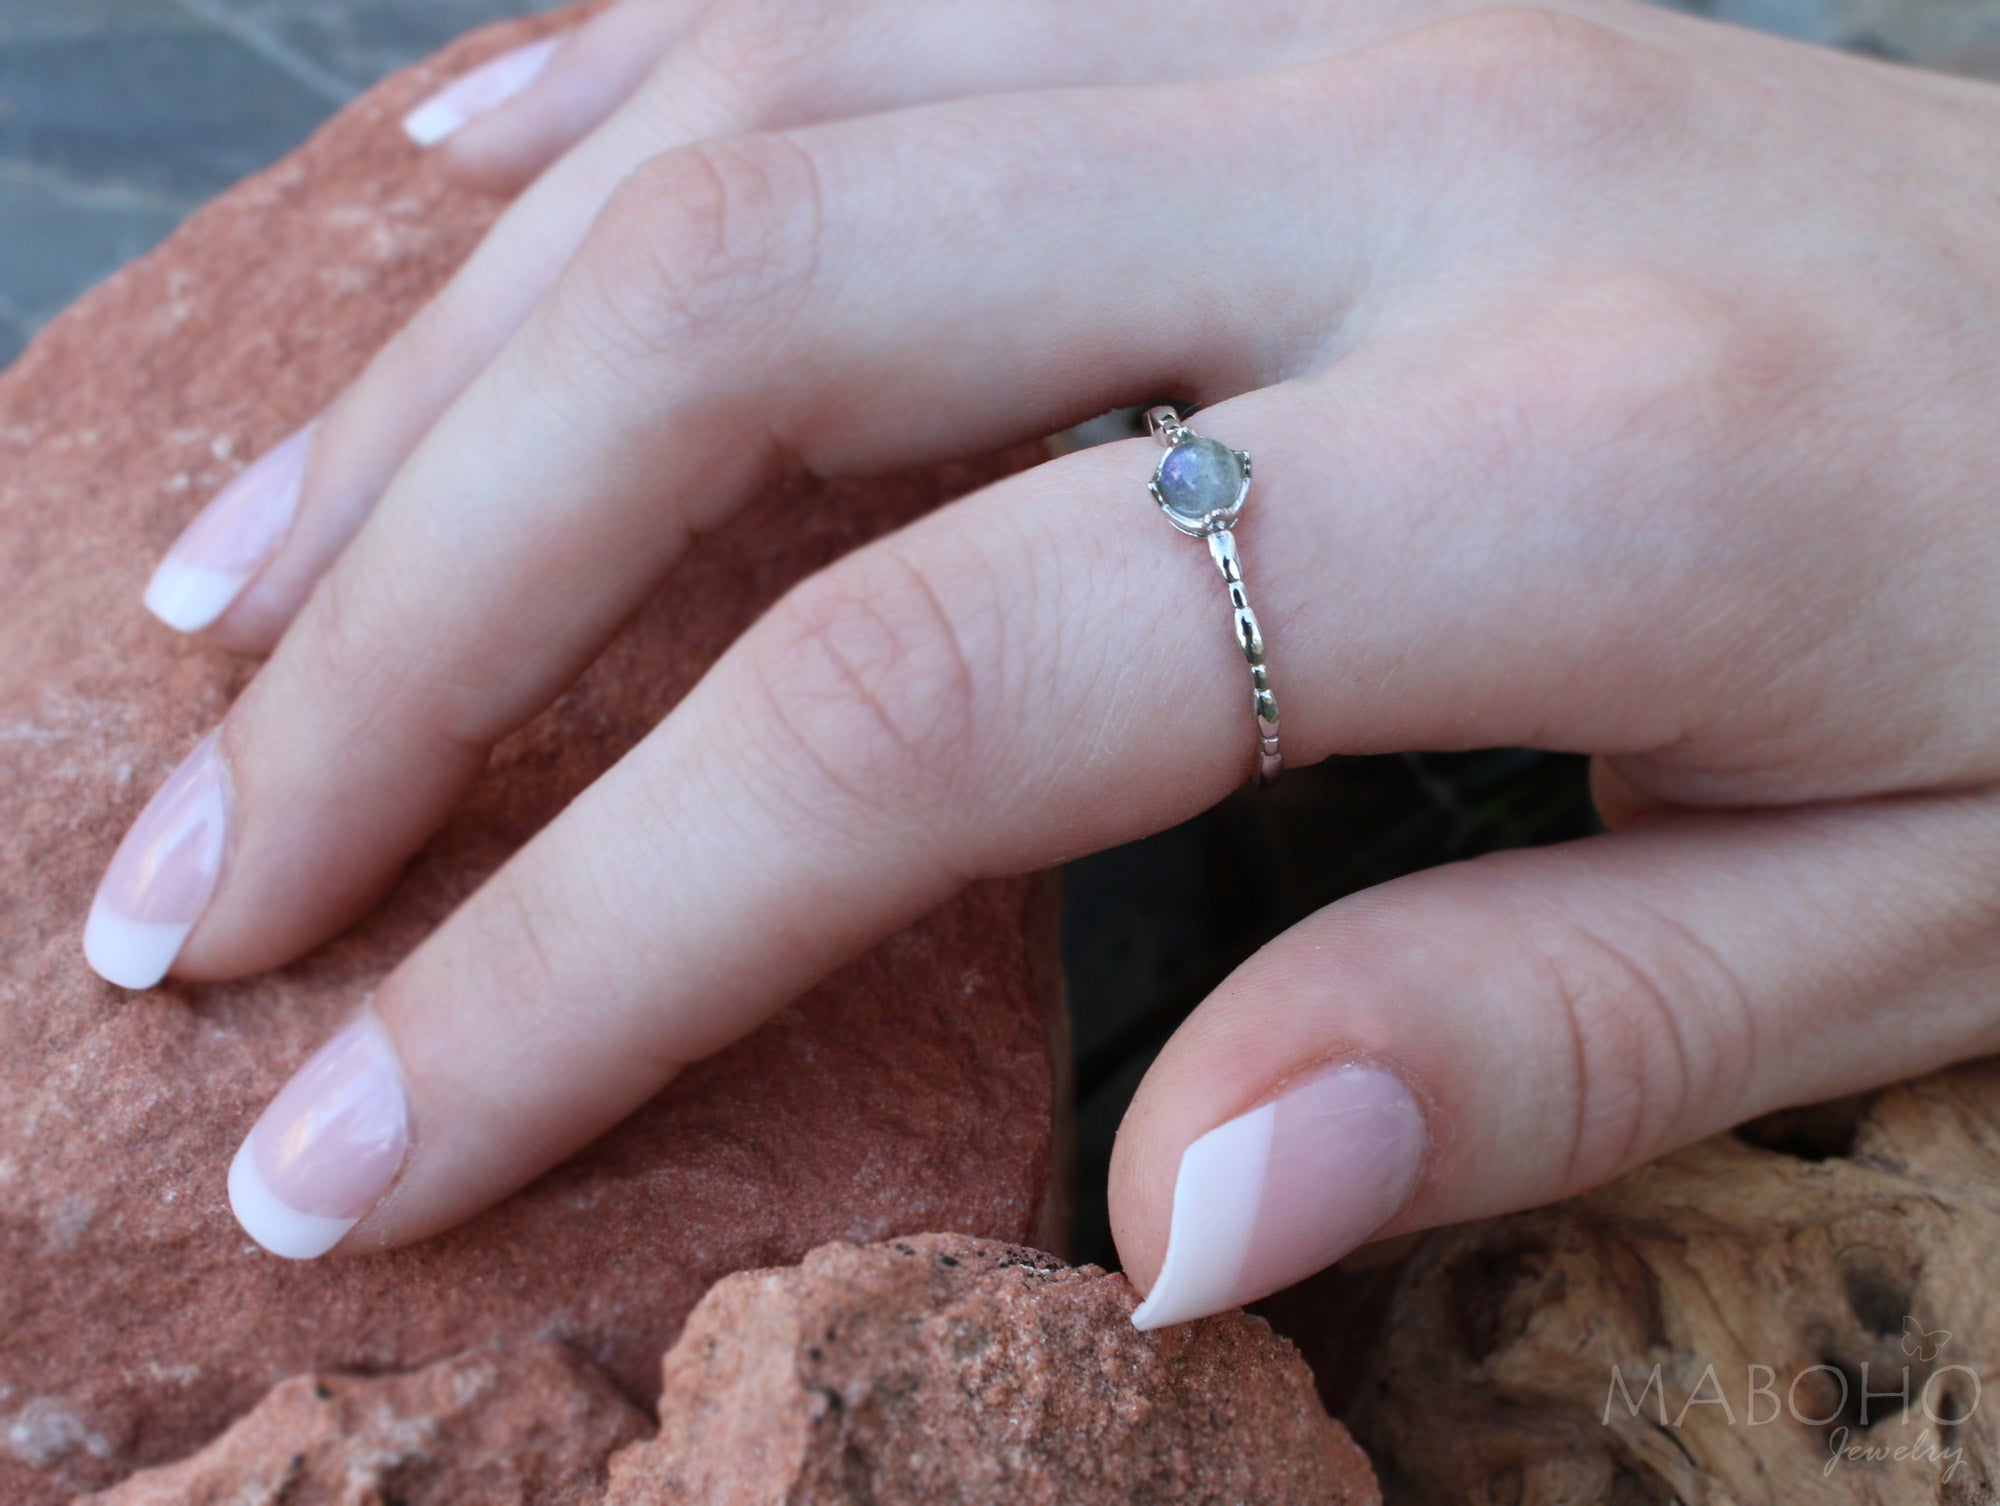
column 1201, row 485
column 1196, row 469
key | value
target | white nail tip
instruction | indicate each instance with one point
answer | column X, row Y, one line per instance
column 278, row 1228
column 485, row 88
column 188, row 598
column 130, row 953
column 433, row 122
column 1216, row 1193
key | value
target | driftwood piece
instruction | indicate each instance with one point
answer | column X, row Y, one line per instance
column 1801, row 1311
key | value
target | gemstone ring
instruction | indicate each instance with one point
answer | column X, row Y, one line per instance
column 1200, row 484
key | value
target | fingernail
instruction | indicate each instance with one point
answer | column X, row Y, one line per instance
column 1285, row 1190
column 485, row 88
column 230, row 539
column 328, row 1147
column 163, row 874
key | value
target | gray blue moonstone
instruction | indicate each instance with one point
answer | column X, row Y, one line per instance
column 1197, row 477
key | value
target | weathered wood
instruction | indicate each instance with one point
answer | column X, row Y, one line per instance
column 1766, row 1278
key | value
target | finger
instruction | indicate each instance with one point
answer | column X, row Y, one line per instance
column 894, row 789
column 508, row 120
column 1031, row 673
column 1494, row 1035
column 739, row 304
column 870, row 721
column 248, row 560
column 247, row 564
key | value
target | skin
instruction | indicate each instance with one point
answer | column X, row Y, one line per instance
column 1617, row 383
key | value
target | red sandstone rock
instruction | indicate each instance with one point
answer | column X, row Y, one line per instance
column 918, row 1089
column 942, row 1369
column 526, row 1427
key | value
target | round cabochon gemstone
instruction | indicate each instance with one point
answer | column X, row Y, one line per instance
column 1199, row 476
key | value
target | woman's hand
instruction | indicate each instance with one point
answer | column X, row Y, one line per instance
column 1616, row 382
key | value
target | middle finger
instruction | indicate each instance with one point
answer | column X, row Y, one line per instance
column 798, row 295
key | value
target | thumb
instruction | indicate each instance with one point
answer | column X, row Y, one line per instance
column 1496, row 1034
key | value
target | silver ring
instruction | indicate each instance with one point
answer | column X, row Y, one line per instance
column 1200, row 484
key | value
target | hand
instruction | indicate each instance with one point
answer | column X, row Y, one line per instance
column 1616, row 382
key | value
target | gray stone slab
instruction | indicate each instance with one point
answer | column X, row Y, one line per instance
column 23, row 20
column 117, row 117
column 14, row 334
column 62, row 237
column 1956, row 36
column 1960, row 36
column 175, row 109
column 359, row 41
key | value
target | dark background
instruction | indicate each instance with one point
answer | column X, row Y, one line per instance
column 117, row 117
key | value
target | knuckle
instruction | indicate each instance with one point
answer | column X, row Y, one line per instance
column 521, row 938
column 1658, row 1038
column 348, row 643
column 710, row 246
column 758, row 52
column 432, row 347
column 525, row 943
column 376, row 658
column 873, row 673
column 1749, row 369
column 1632, row 366
column 1544, row 82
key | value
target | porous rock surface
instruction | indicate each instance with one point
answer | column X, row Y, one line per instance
column 523, row 1427
column 939, row 1369
column 933, row 1370
column 919, row 1088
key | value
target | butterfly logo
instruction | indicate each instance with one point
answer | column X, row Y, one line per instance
column 1923, row 1344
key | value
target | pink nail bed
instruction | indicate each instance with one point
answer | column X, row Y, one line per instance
column 231, row 539
column 1272, row 1196
column 328, row 1147
column 163, row 874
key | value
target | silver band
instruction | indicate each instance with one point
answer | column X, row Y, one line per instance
column 1203, row 498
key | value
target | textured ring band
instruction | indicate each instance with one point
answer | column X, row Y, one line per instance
column 1201, row 484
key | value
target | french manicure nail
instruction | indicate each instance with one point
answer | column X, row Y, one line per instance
column 328, row 1147
column 230, row 540
column 1272, row 1196
column 163, row 874
column 485, row 88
